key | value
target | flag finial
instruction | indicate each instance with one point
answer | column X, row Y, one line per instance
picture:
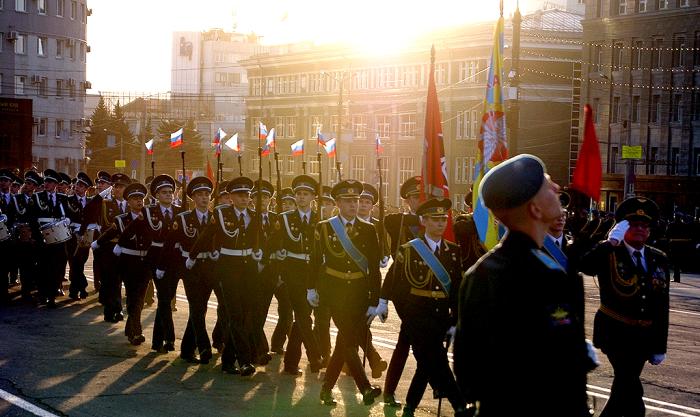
column 501, row 4
column 432, row 54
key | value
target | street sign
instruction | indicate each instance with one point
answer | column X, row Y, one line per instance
column 120, row 163
column 631, row 152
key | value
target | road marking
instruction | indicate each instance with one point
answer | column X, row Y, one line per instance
column 650, row 407
column 25, row 405
column 664, row 403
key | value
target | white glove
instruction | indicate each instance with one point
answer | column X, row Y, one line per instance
column 592, row 354
column 617, row 233
column 384, row 262
column 214, row 256
column 382, row 310
column 281, row 254
column 312, row 297
column 189, row 263
column 371, row 314
column 117, row 251
column 261, row 266
column 160, row 274
column 257, row 255
column 451, row 334
column 657, row 358
column 279, row 281
column 94, row 245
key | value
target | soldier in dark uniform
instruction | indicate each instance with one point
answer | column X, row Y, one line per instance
column 467, row 237
column 631, row 325
column 64, row 185
column 199, row 280
column 518, row 297
column 159, row 218
column 295, row 235
column 322, row 313
column 345, row 262
column 285, row 314
column 401, row 227
column 222, row 197
column 27, row 240
column 327, row 203
column 428, row 275
column 77, row 247
column 94, row 214
column 233, row 229
column 6, row 242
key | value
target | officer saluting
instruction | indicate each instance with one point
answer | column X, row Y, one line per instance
column 631, row 325
column 345, row 258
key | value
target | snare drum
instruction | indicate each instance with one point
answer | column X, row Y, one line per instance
column 55, row 232
column 4, row 231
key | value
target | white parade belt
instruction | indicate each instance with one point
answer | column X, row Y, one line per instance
column 300, row 256
column 236, row 252
column 202, row 255
column 134, row 252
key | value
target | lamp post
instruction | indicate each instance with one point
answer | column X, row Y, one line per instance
column 341, row 82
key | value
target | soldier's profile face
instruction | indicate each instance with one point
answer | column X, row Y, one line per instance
column 434, row 226
column 638, row 233
column 80, row 188
column 240, row 200
column 135, row 203
column 50, row 186
column 304, row 197
column 29, row 187
column 101, row 186
column 165, row 195
column 413, row 202
column 365, row 207
column 348, row 207
column 288, row 204
column 265, row 201
column 118, row 191
column 201, row 199
column 5, row 183
column 547, row 199
column 225, row 198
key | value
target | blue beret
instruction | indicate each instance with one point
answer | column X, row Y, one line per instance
column 513, row 182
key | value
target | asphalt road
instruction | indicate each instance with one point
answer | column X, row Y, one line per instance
column 69, row 362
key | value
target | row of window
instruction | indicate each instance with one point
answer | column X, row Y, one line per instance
column 62, row 129
column 61, row 48
column 624, row 7
column 286, row 126
column 656, row 163
column 39, row 86
column 632, row 54
column 404, row 76
column 657, row 108
column 53, row 7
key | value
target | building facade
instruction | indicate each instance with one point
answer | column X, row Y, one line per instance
column 43, row 53
column 641, row 74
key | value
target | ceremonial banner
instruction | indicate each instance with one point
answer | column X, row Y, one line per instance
column 588, row 174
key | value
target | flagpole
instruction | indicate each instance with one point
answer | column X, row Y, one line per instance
column 240, row 165
column 218, row 167
column 184, row 180
column 153, row 167
column 303, row 158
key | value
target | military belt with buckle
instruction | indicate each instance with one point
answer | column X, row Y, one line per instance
column 427, row 293
column 622, row 318
column 344, row 275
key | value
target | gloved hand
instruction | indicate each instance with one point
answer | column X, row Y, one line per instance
column 94, row 245
column 160, row 274
column 384, row 262
column 382, row 310
column 312, row 297
column 617, row 233
column 657, row 358
column 279, row 281
column 189, row 263
column 261, row 266
column 371, row 314
column 281, row 254
column 450, row 335
column 117, row 251
column 257, row 255
column 592, row 355
column 214, row 255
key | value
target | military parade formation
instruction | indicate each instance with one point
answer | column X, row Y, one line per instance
column 513, row 315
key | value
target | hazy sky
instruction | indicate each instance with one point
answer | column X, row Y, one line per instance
column 131, row 39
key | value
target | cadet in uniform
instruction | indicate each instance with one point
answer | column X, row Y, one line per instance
column 295, row 233
column 518, row 299
column 78, row 249
column 28, row 240
column 222, row 197
column 6, row 243
column 428, row 275
column 345, row 262
column 322, row 313
column 285, row 314
column 631, row 325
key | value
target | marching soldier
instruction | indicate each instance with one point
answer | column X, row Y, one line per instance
column 64, row 184
column 28, row 238
column 233, row 229
column 322, row 313
column 428, row 275
column 222, row 197
column 295, row 234
column 78, row 247
column 6, row 245
column 631, row 325
column 285, row 314
column 93, row 217
column 345, row 262
column 199, row 280
column 159, row 219
column 327, row 203
column 519, row 296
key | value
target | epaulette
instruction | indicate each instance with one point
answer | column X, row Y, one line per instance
column 362, row 221
column 656, row 251
column 220, row 206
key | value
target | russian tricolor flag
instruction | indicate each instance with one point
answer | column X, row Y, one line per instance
column 233, row 143
column 269, row 142
column 298, row 147
column 380, row 148
column 321, row 139
column 176, row 138
column 149, row 146
column 263, row 131
column 330, row 147
column 218, row 137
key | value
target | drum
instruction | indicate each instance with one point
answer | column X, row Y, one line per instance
column 4, row 231
column 55, row 232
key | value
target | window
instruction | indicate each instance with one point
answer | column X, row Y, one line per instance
column 662, row 4
column 59, row 48
column 59, row 88
column 73, row 9
column 315, row 126
column 74, row 128
column 20, row 80
column 315, row 83
column 675, row 160
column 383, row 126
column 407, row 125
column 696, row 159
column 2, row 5
column 655, row 109
column 599, row 8
column 291, row 126
column 71, row 88
column 60, row 7
column 657, row 58
column 270, row 88
column 679, row 46
column 696, row 51
column 409, row 76
column 637, row 54
column 21, row 5
column 406, row 168
column 255, row 166
column 642, row 6
column 684, row 3
column 21, row 44
column 636, row 110
column 41, row 129
column 59, row 128
column 359, row 127
column 71, row 48
column 41, row 46
column 335, row 123
column 615, row 110
column 613, row 160
column 41, row 6
column 654, row 156
column 357, row 167
column 596, row 110
column 440, row 74
column 384, row 167
column 461, row 171
column 44, row 87
column 622, row 7
column 289, row 164
column 599, row 57
column 696, row 106
column 279, row 127
column 618, row 49
column 313, row 167
column 677, row 107
column 468, row 70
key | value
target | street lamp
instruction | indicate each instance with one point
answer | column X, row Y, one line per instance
column 341, row 82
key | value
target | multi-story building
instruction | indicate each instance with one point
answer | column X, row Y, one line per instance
column 353, row 96
column 42, row 57
column 641, row 73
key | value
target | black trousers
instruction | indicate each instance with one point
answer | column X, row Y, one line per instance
column 397, row 363
column 136, row 275
column 295, row 279
column 199, row 283
column 77, row 258
column 263, row 288
column 163, row 327
column 111, row 279
column 52, row 269
column 233, row 275
column 347, row 300
column 285, row 318
column 627, row 390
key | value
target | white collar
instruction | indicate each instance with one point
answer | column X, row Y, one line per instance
column 632, row 250
column 201, row 214
column 433, row 244
column 134, row 216
column 163, row 208
column 559, row 239
column 244, row 212
column 368, row 219
column 304, row 213
column 346, row 221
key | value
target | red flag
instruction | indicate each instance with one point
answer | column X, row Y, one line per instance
column 434, row 175
column 588, row 174
column 210, row 172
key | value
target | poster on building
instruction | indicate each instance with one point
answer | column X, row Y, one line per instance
column 188, row 175
column 631, row 152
